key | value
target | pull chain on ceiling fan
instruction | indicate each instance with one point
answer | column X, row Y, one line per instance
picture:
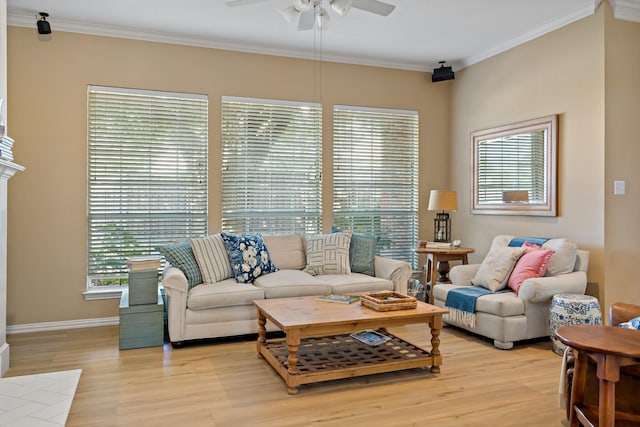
column 308, row 12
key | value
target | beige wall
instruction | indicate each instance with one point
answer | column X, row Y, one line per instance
column 622, row 127
column 559, row 73
column 47, row 103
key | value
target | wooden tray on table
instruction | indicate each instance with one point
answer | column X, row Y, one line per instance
column 388, row 301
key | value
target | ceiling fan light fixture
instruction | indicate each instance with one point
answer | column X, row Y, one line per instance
column 290, row 14
column 323, row 20
column 341, row 7
column 303, row 5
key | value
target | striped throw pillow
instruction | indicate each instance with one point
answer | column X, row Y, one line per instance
column 212, row 258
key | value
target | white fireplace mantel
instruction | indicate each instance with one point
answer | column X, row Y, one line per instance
column 7, row 170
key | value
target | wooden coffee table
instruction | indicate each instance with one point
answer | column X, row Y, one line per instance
column 317, row 346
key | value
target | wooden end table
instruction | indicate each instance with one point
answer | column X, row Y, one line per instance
column 318, row 347
column 611, row 347
column 438, row 261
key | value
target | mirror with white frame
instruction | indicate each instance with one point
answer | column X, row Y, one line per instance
column 514, row 168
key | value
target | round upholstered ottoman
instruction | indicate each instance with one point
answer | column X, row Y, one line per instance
column 570, row 309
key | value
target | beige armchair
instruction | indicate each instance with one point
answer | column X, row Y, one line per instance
column 506, row 317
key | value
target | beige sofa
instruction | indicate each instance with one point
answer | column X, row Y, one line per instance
column 506, row 317
column 225, row 308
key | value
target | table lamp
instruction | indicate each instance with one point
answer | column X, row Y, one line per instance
column 442, row 200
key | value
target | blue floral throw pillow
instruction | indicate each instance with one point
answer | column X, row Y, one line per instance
column 631, row 324
column 248, row 255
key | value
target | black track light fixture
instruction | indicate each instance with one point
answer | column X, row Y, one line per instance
column 43, row 25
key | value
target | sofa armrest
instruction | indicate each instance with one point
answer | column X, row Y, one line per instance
column 541, row 289
column 177, row 288
column 461, row 275
column 173, row 278
column 399, row 272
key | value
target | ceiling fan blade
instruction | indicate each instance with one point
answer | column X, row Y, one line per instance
column 374, row 6
column 307, row 19
column 234, row 3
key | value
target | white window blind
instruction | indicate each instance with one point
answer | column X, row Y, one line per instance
column 147, row 175
column 271, row 166
column 514, row 163
column 375, row 176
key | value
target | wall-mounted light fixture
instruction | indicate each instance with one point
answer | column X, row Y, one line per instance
column 44, row 28
column 443, row 73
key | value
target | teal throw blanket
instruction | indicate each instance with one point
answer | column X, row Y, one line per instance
column 464, row 298
column 516, row 242
column 461, row 303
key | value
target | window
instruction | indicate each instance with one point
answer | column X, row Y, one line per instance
column 147, row 175
column 375, row 176
column 271, row 166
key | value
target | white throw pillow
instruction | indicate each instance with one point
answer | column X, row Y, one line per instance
column 328, row 253
column 286, row 250
column 212, row 258
column 496, row 267
column 564, row 258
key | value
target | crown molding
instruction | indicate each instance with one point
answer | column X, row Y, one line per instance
column 627, row 10
column 28, row 21
column 623, row 9
column 551, row 26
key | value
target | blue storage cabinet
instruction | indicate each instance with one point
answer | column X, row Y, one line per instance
column 143, row 287
column 141, row 325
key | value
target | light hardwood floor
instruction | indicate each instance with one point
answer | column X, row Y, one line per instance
column 225, row 384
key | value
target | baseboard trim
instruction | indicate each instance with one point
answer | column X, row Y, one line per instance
column 66, row 324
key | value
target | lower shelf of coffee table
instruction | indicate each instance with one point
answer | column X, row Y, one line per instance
column 341, row 356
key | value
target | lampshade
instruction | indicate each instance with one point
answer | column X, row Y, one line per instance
column 442, row 200
column 515, row 196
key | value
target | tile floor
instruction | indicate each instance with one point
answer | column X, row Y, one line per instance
column 37, row 400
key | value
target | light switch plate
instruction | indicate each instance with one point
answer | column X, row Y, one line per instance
column 618, row 188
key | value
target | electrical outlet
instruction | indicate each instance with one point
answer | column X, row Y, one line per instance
column 618, row 188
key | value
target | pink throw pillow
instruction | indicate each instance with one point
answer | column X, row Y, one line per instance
column 533, row 263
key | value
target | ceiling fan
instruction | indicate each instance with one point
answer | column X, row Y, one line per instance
column 310, row 12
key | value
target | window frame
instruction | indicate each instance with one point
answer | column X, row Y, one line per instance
column 138, row 123
column 399, row 167
column 255, row 115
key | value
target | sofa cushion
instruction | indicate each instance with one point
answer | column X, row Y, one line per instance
column 223, row 294
column 500, row 304
column 328, row 253
column 533, row 263
column 496, row 267
column 356, row 282
column 564, row 258
column 292, row 283
column 286, row 251
column 180, row 255
column 248, row 255
column 212, row 258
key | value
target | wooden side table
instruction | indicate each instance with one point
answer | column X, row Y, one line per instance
column 610, row 347
column 438, row 261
